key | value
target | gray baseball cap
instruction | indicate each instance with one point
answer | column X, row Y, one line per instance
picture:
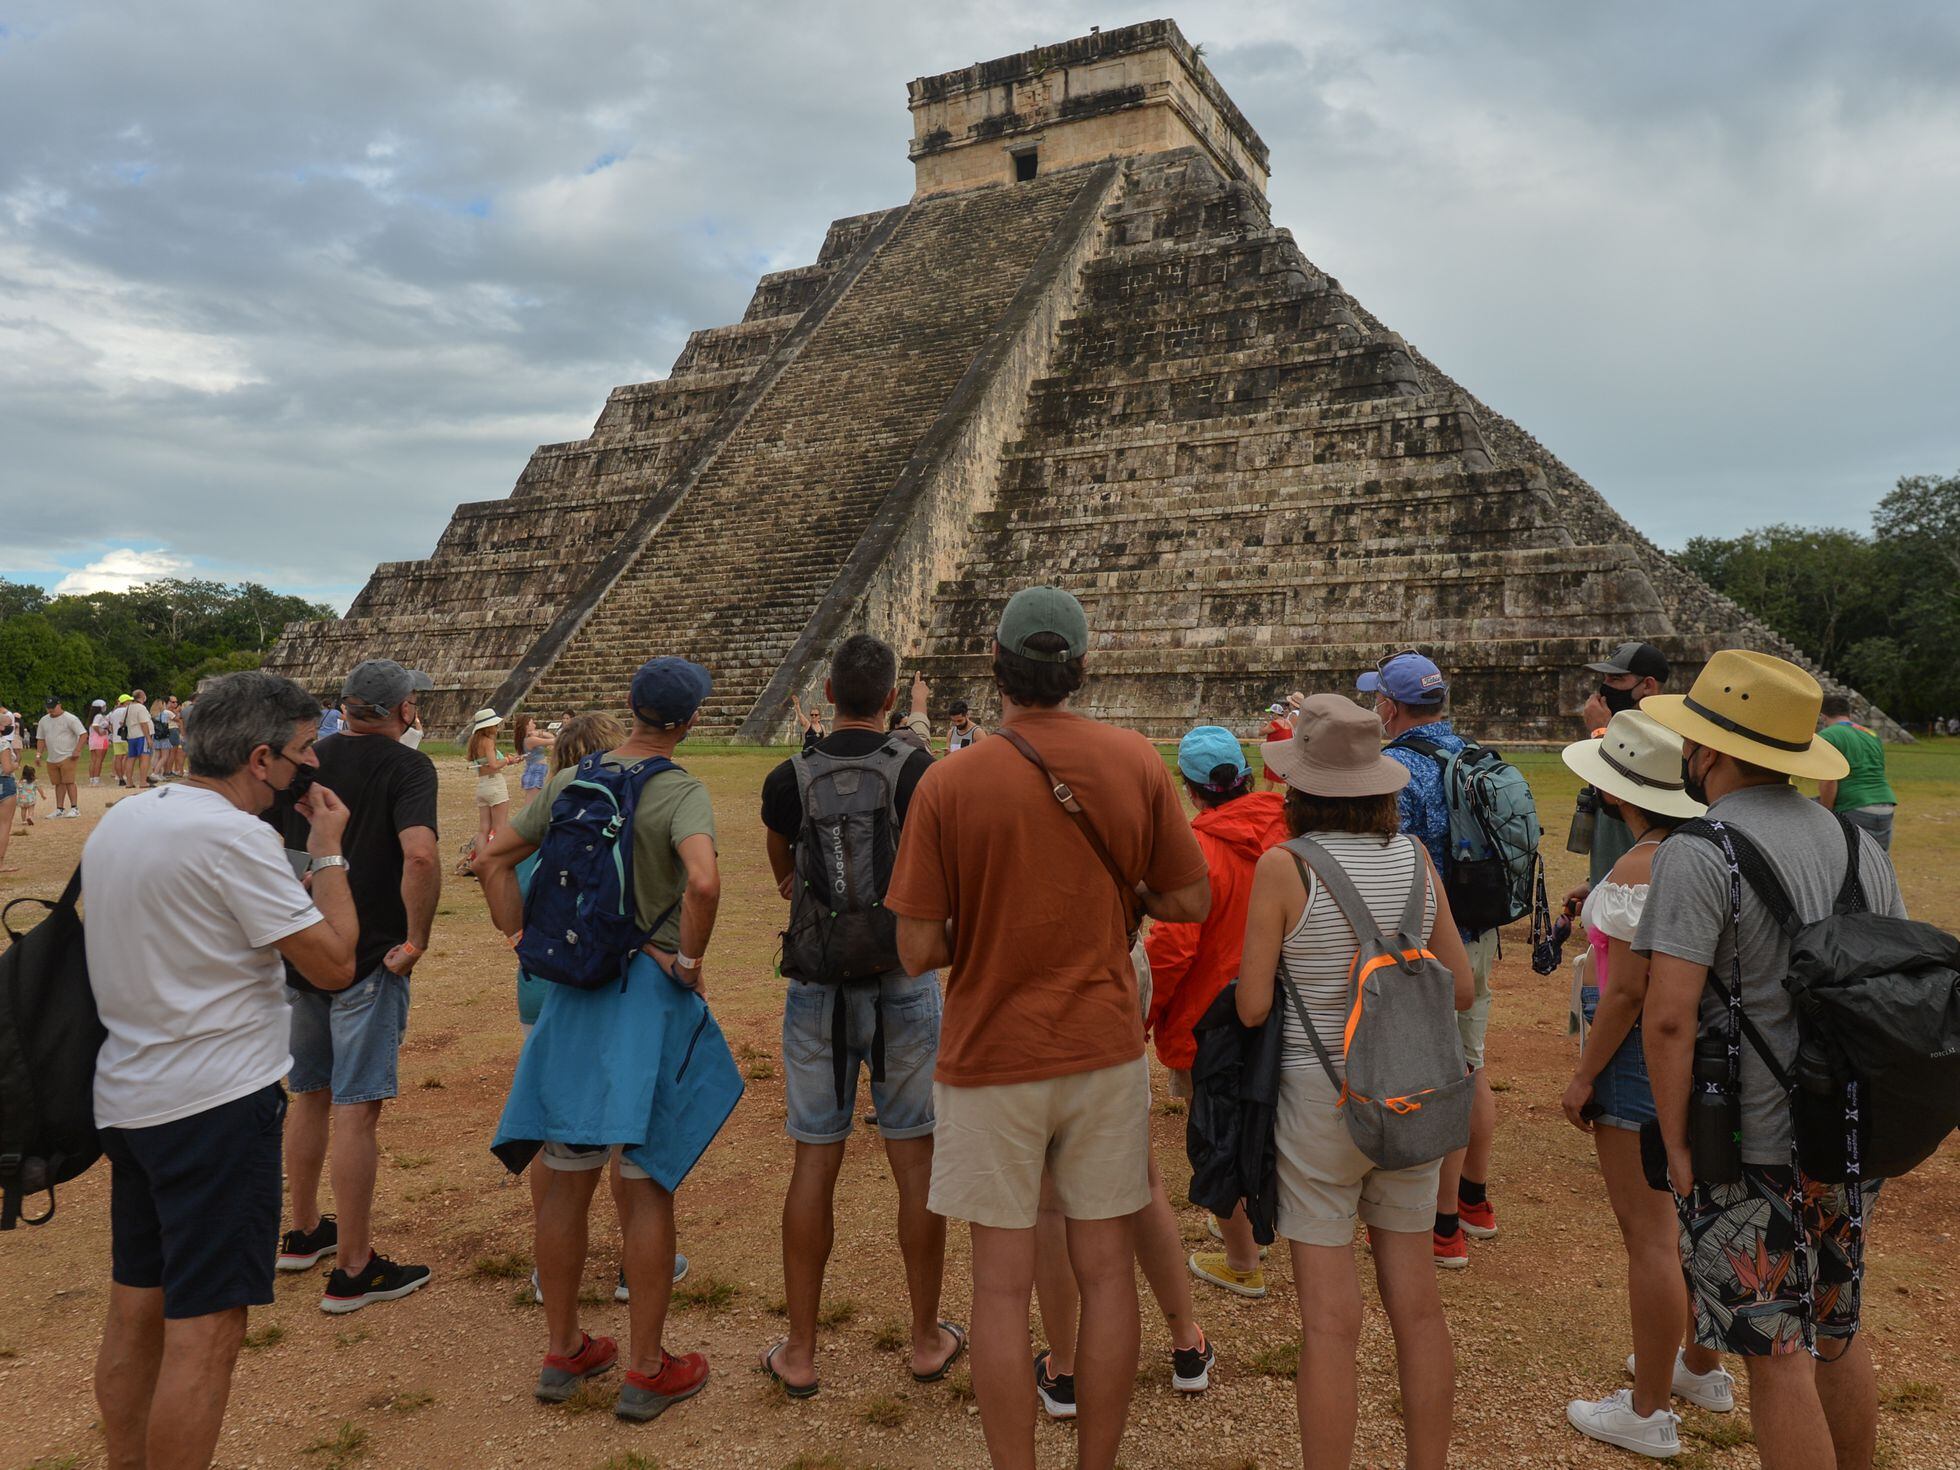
column 383, row 683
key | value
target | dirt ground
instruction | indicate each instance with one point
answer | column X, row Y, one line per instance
column 444, row 1377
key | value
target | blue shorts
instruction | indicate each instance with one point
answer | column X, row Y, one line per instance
column 903, row 1099
column 1622, row 1087
column 9, row 788
column 349, row 1040
column 194, row 1205
column 533, row 777
column 139, row 745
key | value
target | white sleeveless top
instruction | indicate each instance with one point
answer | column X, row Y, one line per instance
column 1320, row 949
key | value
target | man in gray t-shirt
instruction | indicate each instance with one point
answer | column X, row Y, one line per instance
column 1773, row 1260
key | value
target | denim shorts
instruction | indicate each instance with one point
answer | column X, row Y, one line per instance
column 194, row 1205
column 349, row 1040
column 139, row 744
column 903, row 1099
column 9, row 788
column 1622, row 1087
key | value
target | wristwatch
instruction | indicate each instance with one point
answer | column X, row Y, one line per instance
column 335, row 860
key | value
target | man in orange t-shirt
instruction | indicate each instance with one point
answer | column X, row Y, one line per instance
column 1041, row 1042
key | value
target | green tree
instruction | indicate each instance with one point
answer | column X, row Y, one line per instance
column 1822, row 589
column 38, row 660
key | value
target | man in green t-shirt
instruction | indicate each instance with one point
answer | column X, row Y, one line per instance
column 1864, row 797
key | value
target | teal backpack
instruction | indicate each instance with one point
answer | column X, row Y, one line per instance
column 1494, row 869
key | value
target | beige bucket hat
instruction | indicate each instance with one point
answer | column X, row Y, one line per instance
column 483, row 719
column 1336, row 750
column 1756, row 708
column 1637, row 760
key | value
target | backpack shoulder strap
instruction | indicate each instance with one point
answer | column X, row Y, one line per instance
column 1417, row 908
column 1851, row 893
column 1333, row 877
column 70, row 895
column 1066, row 799
column 1755, row 868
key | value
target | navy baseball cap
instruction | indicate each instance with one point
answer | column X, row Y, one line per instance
column 1207, row 748
column 667, row 691
column 1406, row 678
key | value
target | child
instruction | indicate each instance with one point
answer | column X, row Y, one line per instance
column 29, row 796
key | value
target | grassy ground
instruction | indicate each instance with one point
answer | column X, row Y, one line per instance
column 444, row 1377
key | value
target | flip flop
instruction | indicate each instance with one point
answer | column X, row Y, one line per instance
column 767, row 1363
column 959, row 1350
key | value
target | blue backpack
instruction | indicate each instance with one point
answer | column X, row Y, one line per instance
column 1494, row 873
column 580, row 926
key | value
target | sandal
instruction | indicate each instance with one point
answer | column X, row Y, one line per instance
column 767, row 1363
column 959, row 1350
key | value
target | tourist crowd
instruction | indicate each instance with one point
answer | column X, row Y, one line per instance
column 969, row 931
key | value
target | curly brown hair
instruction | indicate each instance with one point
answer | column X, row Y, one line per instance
column 585, row 735
column 1308, row 813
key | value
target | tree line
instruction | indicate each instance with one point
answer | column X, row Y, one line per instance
column 1879, row 611
column 161, row 637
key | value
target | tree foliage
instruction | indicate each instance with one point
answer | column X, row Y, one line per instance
column 1881, row 612
column 161, row 637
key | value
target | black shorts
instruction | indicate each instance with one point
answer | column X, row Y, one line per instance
column 194, row 1205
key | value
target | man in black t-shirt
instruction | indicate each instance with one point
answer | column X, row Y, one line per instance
column 345, row 1044
column 820, row 1084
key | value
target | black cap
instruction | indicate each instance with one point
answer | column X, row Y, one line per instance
column 1642, row 660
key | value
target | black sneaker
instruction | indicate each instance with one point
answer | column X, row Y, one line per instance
column 380, row 1280
column 1057, row 1391
column 300, row 1249
column 1191, row 1367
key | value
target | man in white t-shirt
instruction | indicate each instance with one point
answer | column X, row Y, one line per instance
column 185, row 962
column 138, row 730
column 118, row 721
column 60, row 736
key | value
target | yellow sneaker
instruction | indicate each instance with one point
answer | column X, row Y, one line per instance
column 1213, row 1267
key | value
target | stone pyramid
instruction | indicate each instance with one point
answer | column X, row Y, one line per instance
column 1081, row 354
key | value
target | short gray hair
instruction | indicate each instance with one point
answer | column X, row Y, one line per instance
column 239, row 713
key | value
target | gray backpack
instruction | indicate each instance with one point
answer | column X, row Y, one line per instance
column 840, row 932
column 1407, row 1094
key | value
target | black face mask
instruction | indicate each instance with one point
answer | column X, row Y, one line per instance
column 1696, row 791
column 1619, row 701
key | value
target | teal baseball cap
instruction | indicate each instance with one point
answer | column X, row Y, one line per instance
column 1035, row 610
column 1207, row 748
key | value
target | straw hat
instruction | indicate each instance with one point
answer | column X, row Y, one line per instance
column 1756, row 708
column 1637, row 760
column 483, row 719
column 1336, row 750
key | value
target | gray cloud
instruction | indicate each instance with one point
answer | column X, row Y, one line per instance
column 279, row 286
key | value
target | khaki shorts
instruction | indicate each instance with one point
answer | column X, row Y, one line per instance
column 1326, row 1183
column 1089, row 1130
column 569, row 1158
column 62, row 773
column 1473, row 1023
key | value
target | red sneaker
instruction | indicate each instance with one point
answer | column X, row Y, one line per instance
column 1479, row 1221
column 642, row 1397
column 559, row 1379
column 1452, row 1251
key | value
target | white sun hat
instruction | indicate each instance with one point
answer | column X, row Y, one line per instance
column 1637, row 760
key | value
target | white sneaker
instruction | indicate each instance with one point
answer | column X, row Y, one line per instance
column 1612, row 1420
column 74, row 811
column 1713, row 1390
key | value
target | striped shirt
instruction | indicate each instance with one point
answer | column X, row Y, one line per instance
column 1319, row 950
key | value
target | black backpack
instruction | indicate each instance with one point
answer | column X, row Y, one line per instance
column 1875, row 1083
column 1228, row 1133
column 840, row 932
column 49, row 1036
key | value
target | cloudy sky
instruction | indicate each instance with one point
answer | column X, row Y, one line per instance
column 281, row 284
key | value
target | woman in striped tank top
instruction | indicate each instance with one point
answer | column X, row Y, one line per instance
column 1341, row 793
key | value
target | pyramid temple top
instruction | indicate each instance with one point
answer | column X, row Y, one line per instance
column 1110, row 94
